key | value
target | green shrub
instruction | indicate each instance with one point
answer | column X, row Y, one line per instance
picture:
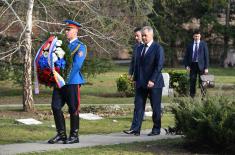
column 210, row 122
column 125, row 85
column 179, row 81
column 4, row 71
column 95, row 65
column 11, row 71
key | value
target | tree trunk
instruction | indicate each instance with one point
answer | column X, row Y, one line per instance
column 226, row 35
column 173, row 57
column 28, row 103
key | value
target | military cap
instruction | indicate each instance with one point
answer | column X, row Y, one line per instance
column 72, row 24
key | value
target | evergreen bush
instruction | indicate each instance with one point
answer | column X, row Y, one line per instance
column 125, row 85
column 4, row 71
column 210, row 122
column 179, row 81
column 95, row 65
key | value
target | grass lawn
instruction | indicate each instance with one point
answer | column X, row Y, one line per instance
column 14, row 132
column 100, row 90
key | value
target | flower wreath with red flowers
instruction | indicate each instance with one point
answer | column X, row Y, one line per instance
column 49, row 64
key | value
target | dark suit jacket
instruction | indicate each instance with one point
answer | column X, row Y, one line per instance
column 133, row 59
column 151, row 66
column 203, row 55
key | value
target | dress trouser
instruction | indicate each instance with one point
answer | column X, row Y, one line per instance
column 194, row 73
column 141, row 95
column 69, row 94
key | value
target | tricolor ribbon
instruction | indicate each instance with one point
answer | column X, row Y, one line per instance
column 59, row 80
column 37, row 57
column 36, row 83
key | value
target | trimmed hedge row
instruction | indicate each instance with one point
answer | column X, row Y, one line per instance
column 179, row 81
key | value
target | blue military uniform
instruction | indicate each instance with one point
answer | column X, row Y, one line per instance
column 70, row 93
column 75, row 76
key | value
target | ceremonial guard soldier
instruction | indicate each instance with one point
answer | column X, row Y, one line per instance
column 70, row 93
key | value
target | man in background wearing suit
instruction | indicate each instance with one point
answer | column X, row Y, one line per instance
column 196, row 61
column 138, row 42
column 148, row 81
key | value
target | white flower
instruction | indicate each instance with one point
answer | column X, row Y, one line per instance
column 55, row 58
column 58, row 43
column 60, row 52
column 45, row 54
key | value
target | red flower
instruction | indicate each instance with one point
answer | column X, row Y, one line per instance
column 46, row 77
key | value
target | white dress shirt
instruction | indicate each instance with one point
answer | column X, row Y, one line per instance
column 148, row 45
column 73, row 40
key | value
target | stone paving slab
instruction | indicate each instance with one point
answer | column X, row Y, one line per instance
column 85, row 141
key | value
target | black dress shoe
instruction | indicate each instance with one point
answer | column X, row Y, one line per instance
column 128, row 131
column 58, row 138
column 136, row 134
column 132, row 132
column 73, row 139
column 153, row 133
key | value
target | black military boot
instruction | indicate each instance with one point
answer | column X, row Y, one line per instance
column 60, row 126
column 74, row 126
column 60, row 137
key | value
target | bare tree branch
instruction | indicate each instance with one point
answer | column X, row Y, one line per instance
column 46, row 30
column 8, row 51
column 41, row 28
column 79, row 1
column 90, row 7
column 99, row 45
column 44, row 9
column 16, row 15
column 17, row 49
column 101, row 36
column 9, row 25
column 51, row 23
column 90, row 21
column 78, row 12
column 7, row 8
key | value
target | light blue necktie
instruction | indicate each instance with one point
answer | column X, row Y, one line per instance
column 195, row 55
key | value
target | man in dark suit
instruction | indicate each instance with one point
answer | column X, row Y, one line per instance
column 148, row 81
column 138, row 42
column 196, row 60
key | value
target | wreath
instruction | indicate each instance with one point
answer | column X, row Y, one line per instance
column 50, row 64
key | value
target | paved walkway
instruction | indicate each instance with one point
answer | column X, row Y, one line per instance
column 85, row 141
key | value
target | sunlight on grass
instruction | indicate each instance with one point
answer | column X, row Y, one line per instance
column 98, row 91
column 14, row 132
